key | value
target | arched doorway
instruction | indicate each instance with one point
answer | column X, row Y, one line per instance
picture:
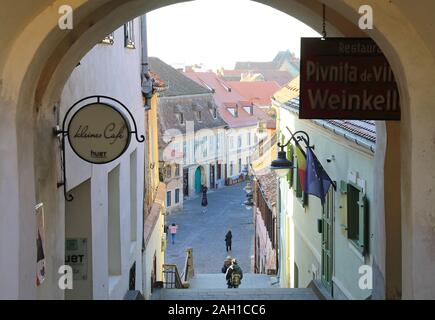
column 199, row 179
column 35, row 71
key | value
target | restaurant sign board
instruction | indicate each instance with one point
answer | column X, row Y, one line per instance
column 346, row 78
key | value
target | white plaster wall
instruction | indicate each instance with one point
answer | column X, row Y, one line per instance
column 307, row 250
column 111, row 70
column 154, row 246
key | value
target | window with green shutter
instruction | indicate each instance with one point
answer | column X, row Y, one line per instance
column 357, row 217
column 290, row 153
column 300, row 194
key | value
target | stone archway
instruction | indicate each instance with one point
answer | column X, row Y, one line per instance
column 36, row 64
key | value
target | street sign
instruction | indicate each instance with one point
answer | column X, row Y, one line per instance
column 99, row 133
column 346, row 78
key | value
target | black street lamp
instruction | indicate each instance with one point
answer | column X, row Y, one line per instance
column 282, row 165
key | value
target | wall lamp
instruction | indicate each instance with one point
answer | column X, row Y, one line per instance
column 281, row 166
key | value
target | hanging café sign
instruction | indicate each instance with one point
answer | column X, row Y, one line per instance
column 346, row 78
column 98, row 130
column 98, row 133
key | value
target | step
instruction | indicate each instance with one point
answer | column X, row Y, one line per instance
column 235, row 294
column 217, row 281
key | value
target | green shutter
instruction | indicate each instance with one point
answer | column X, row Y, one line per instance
column 298, row 185
column 304, row 199
column 290, row 156
column 363, row 234
column 353, row 195
column 343, row 187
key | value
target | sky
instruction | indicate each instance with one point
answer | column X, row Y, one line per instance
column 217, row 33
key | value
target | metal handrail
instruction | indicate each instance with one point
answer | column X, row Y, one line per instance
column 171, row 277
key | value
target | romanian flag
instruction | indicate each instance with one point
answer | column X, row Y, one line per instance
column 302, row 165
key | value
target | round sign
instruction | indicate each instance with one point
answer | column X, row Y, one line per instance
column 99, row 133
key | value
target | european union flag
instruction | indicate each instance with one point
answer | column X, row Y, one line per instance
column 317, row 181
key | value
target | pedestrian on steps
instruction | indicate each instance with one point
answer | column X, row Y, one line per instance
column 173, row 230
column 228, row 240
column 204, row 201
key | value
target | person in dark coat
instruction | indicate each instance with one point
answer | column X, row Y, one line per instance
column 228, row 239
column 204, row 201
column 234, row 275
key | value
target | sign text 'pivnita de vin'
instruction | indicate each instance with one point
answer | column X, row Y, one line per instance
column 99, row 133
column 346, row 78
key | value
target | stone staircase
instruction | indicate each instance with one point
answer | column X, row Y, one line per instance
column 253, row 287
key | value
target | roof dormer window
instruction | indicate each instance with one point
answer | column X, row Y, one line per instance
column 249, row 109
column 233, row 111
column 180, row 117
column 198, row 116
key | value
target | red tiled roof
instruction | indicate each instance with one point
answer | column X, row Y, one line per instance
column 257, row 92
column 267, row 180
column 225, row 97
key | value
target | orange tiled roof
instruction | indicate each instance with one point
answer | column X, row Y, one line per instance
column 225, row 96
column 257, row 92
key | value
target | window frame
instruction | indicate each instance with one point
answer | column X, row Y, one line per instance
column 177, row 196
column 357, row 215
column 129, row 35
column 168, row 199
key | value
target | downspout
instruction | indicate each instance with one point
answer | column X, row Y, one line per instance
column 147, row 81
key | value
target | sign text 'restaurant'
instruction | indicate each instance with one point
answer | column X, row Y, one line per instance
column 346, row 78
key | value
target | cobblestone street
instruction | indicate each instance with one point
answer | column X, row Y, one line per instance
column 205, row 233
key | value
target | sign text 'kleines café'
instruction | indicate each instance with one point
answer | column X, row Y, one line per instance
column 346, row 78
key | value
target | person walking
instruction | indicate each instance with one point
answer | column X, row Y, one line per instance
column 173, row 231
column 227, row 262
column 204, row 201
column 234, row 275
column 228, row 240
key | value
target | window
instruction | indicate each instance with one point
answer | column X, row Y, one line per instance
column 233, row 112
column 177, row 195
column 240, row 165
column 198, row 116
column 180, row 117
column 114, row 223
column 239, row 141
column 184, row 151
column 303, row 197
column 290, row 157
column 357, row 217
column 231, row 168
column 168, row 172
column 248, row 135
column 133, row 196
column 168, row 198
column 204, row 146
column 109, row 39
column 129, row 35
column 177, row 170
column 231, row 142
column 214, row 113
column 249, row 109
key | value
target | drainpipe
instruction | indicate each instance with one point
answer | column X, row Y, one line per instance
column 147, row 81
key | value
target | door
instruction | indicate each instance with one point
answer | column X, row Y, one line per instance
column 198, row 180
column 327, row 237
column 219, row 171
column 186, row 182
column 212, row 182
